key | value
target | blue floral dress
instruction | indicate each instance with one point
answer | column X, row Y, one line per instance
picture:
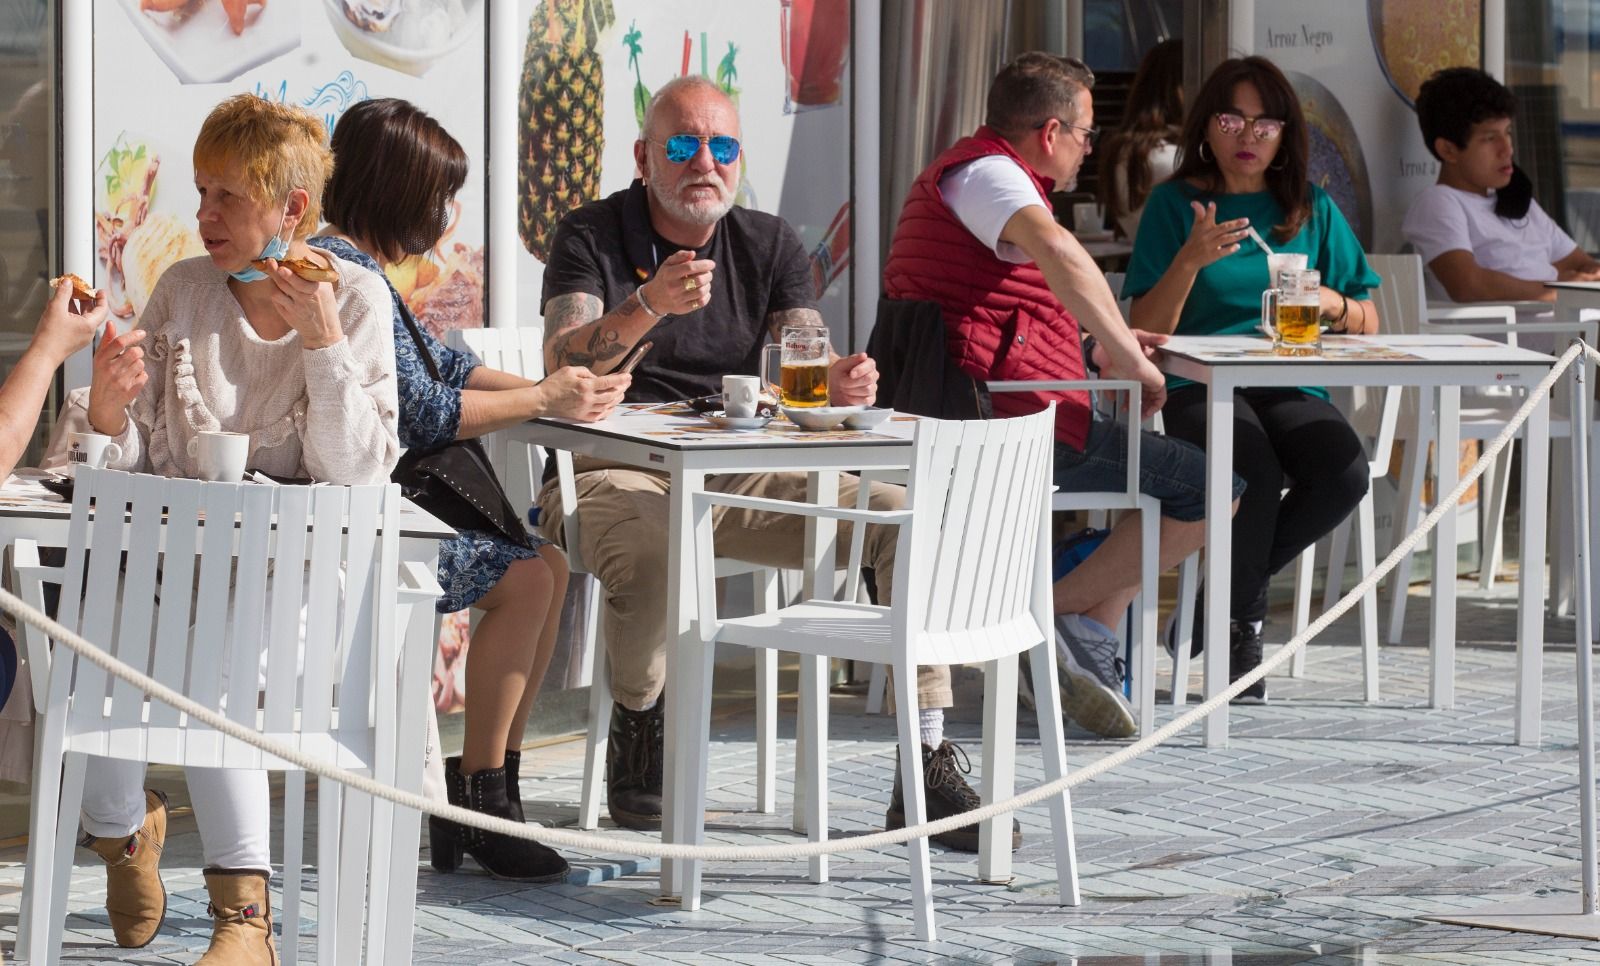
column 473, row 561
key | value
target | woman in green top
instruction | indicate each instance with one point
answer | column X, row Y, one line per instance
column 1194, row 271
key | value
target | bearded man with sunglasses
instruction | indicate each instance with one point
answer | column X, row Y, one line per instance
column 976, row 236
column 673, row 260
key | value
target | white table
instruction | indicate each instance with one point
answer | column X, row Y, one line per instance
column 687, row 450
column 401, row 732
column 1439, row 365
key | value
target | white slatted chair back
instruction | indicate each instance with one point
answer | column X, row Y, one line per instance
column 214, row 610
column 519, row 351
column 978, row 491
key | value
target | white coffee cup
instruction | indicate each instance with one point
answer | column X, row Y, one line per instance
column 1088, row 217
column 218, row 456
column 90, row 449
column 740, row 396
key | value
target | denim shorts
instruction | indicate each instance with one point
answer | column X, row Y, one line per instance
column 1171, row 470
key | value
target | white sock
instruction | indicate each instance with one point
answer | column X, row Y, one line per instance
column 1256, row 626
column 930, row 721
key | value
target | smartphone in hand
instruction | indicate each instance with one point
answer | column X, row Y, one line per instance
column 633, row 357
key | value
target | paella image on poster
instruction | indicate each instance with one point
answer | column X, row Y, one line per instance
column 211, row 41
column 1414, row 38
column 815, row 45
column 407, row 35
column 560, row 116
column 1336, row 164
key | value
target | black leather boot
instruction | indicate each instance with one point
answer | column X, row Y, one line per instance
column 634, row 766
column 501, row 856
column 1244, row 653
column 944, row 793
column 514, row 784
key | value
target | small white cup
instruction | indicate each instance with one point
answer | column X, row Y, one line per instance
column 740, row 396
column 1280, row 262
column 219, row 457
column 1088, row 217
column 90, row 449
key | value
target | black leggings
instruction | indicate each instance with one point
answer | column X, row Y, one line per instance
column 1281, row 438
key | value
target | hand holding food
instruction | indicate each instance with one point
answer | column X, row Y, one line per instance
column 119, row 375
column 303, row 267
column 62, row 331
column 306, row 306
column 682, row 284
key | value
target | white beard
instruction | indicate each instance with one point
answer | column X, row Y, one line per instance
column 694, row 213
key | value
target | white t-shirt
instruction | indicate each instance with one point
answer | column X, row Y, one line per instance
column 1444, row 219
column 984, row 194
column 1163, row 160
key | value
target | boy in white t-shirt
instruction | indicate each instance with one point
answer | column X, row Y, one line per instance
column 1480, row 233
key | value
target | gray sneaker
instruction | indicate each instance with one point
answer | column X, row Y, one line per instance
column 1090, row 670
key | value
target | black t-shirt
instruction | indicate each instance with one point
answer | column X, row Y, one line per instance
column 608, row 248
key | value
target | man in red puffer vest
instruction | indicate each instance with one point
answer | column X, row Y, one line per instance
column 976, row 236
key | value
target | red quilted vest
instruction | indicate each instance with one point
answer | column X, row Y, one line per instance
column 1001, row 320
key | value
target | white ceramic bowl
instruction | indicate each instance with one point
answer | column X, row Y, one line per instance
column 372, row 46
column 868, row 418
column 820, row 418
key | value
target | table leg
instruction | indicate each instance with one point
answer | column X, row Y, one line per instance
column 680, row 663
column 1446, row 462
column 1219, row 551
column 1530, row 594
column 822, row 489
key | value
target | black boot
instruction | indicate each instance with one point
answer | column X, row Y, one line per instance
column 514, row 784
column 1244, row 654
column 634, row 765
column 945, row 793
column 501, row 856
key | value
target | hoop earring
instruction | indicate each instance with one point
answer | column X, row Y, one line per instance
column 1278, row 167
column 1202, row 153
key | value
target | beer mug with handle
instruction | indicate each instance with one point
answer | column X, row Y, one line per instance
column 1293, row 311
column 802, row 352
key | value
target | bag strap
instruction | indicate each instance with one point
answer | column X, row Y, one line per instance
column 416, row 336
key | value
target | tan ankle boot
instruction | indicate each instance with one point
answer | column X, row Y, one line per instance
column 241, row 919
column 136, row 901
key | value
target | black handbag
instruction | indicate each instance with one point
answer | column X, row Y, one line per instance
column 455, row 482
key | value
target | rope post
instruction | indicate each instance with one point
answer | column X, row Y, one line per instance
column 1581, row 410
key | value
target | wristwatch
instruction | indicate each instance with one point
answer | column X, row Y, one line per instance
column 1088, row 354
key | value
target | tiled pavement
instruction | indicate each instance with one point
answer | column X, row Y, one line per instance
column 1319, row 836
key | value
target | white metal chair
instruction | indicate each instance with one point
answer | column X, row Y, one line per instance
column 520, row 466
column 1483, row 414
column 214, row 609
column 972, row 579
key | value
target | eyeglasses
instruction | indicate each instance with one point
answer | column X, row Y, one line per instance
column 1264, row 128
column 1090, row 134
column 682, row 147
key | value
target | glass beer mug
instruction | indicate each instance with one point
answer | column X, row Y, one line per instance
column 802, row 365
column 1292, row 313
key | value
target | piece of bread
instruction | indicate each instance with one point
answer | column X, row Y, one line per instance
column 80, row 288
column 303, row 267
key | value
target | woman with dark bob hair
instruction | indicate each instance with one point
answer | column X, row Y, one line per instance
column 395, row 174
column 1194, row 271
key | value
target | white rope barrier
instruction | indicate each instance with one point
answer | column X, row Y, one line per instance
column 597, row 844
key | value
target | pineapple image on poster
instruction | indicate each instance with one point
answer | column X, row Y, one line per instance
column 561, row 116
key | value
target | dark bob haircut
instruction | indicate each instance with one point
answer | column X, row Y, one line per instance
column 1033, row 88
column 1286, row 176
column 395, row 171
column 1454, row 99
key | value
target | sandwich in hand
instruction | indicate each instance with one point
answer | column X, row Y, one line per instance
column 303, row 267
column 80, row 288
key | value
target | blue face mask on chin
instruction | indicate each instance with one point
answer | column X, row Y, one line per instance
column 276, row 248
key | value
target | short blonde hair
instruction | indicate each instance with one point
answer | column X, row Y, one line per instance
column 274, row 148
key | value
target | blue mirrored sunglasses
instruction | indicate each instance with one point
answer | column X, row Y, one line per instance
column 682, row 147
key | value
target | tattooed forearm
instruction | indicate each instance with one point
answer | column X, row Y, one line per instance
column 576, row 334
column 777, row 320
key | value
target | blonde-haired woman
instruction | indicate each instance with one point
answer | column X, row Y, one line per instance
column 233, row 341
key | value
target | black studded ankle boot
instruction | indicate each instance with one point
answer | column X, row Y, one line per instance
column 501, row 856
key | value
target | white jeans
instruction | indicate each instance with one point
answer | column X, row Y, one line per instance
column 230, row 806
